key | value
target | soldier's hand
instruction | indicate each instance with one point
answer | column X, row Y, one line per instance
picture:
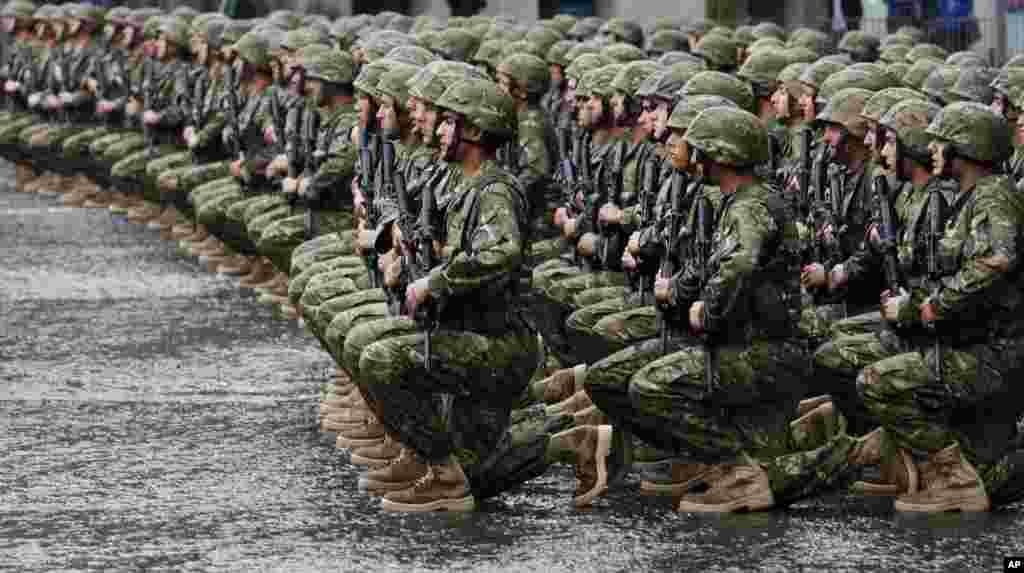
column 104, row 107
column 837, row 278
column 303, row 186
column 289, row 186
column 663, row 289
column 697, row 317
column 278, row 165
column 92, row 85
column 150, row 117
column 236, row 169
column 927, row 312
column 393, row 270
column 132, row 108
column 52, row 102
column 561, row 216
column 365, row 241
column 813, row 276
column 874, row 237
column 827, row 234
column 587, row 245
column 268, row 135
column 628, row 261
column 10, row 86
column 569, row 229
column 416, row 294
column 34, row 99
column 892, row 304
column 610, row 215
column 633, row 246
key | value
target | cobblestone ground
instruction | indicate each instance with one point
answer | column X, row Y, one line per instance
column 154, row 417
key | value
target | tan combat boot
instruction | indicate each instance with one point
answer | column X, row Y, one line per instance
column 234, row 267
column 809, row 404
column 740, row 488
column 955, row 486
column 400, row 473
column 815, row 427
column 98, row 200
column 578, row 401
column 23, row 176
column 592, row 416
column 560, row 385
column 368, row 434
column 685, row 476
column 182, row 230
column 377, row 455
column 590, row 447
column 260, row 272
column 443, row 487
column 899, row 475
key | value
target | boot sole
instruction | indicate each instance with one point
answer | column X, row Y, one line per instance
column 963, row 505
column 350, row 443
column 758, row 502
column 604, row 446
column 809, row 404
column 467, row 503
column 380, row 487
column 675, row 489
column 359, row 460
column 872, row 489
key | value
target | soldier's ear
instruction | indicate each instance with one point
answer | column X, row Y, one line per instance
column 471, row 132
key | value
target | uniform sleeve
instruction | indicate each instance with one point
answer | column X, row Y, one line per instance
column 495, row 248
column 992, row 254
column 743, row 234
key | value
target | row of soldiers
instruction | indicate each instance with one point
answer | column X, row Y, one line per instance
column 728, row 259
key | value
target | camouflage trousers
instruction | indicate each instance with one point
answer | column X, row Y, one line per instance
column 280, row 239
column 187, row 178
column 485, row 375
column 593, row 306
column 298, row 282
column 324, row 289
column 133, row 168
column 77, row 145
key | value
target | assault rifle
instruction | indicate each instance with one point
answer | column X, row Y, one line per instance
column 232, row 110
column 611, row 193
column 418, row 245
column 886, row 233
column 310, row 132
column 148, row 89
column 804, row 172
column 200, row 89
column 673, row 230
column 821, row 214
column 366, row 187
column 647, row 195
column 566, row 166
column 701, row 256
column 935, row 232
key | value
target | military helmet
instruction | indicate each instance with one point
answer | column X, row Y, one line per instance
column 456, row 44
column 770, row 30
column 690, row 106
column 663, row 23
column 90, row 15
column 176, row 29
column 721, row 84
column 528, row 70
column 673, row 58
column 861, row 46
column 666, row 41
column 199, row 26
column 430, row 82
column 801, row 54
column 370, row 74
column 585, row 28
column 720, row 30
column 632, row 75
column 598, row 82
column 21, row 9
column 729, row 136
column 880, row 102
column 894, row 53
column 543, row 37
column 300, row 38
column 898, row 70
column 584, row 64
column 483, row 105
column 909, row 120
column 918, row 72
column 395, row 82
column 763, row 66
column 975, row 84
column 623, row 30
column 897, row 40
column 151, row 28
column 332, row 66
column 911, row 32
column 700, row 26
column 790, row 77
column 233, row 31
column 845, row 108
column 744, row 35
column 814, row 40
column 254, row 48
column 850, row 78
column 718, row 51
column 665, row 84
column 284, row 19
column 489, row 53
column 816, row 73
column 521, row 47
column 380, row 43
column 939, row 83
column 557, row 53
column 975, row 131
column 930, row 51
column 768, row 43
column 1015, row 62
column 967, row 59
column 579, row 49
column 413, row 55
column 623, row 53
column 564, row 22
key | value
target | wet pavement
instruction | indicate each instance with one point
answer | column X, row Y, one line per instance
column 154, row 417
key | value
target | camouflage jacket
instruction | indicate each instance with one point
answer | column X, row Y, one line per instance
column 485, row 224
column 537, row 154
column 980, row 296
column 752, row 289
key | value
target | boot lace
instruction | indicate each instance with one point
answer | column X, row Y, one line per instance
column 425, row 481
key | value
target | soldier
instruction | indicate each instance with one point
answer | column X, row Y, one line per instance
column 963, row 368
column 482, row 350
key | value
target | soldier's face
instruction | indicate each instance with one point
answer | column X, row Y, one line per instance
column 570, row 94
column 780, row 102
column 834, row 137
column 506, row 83
column 365, row 106
column 870, row 142
column 596, row 107
column 888, row 153
column 584, row 117
column 556, row 74
column 1018, row 134
column 446, row 134
column 72, row 26
column 678, row 151
column 387, row 113
column 427, row 122
column 806, row 103
column 619, row 106
column 161, row 48
column 314, row 90
column 937, row 150
column 127, row 37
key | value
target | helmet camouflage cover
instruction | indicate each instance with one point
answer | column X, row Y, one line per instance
column 975, row 84
column 689, row 107
column 909, row 120
column 930, row 51
column 845, row 108
column 729, row 136
column 975, row 131
column 623, row 53
column 764, row 66
column 483, row 105
column 430, row 82
column 528, row 70
column 598, row 83
column 718, row 51
column 666, row 84
column 333, row 66
column 880, row 102
column 632, row 75
column 721, row 84
column 395, row 82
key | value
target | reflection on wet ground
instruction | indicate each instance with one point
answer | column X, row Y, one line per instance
column 154, row 417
